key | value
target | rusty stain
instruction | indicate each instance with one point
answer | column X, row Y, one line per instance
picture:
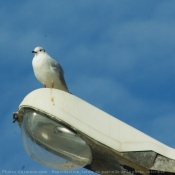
column 67, row 165
column 52, row 99
column 50, row 91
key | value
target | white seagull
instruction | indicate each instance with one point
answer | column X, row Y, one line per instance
column 47, row 70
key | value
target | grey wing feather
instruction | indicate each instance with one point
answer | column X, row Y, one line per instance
column 57, row 67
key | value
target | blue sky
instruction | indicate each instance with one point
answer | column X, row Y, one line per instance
column 118, row 55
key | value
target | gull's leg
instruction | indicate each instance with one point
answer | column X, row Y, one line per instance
column 52, row 84
column 44, row 85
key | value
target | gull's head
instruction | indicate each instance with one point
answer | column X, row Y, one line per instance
column 38, row 50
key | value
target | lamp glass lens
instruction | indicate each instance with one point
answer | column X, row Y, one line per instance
column 53, row 144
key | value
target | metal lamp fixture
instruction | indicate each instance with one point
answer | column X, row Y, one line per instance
column 64, row 132
column 49, row 141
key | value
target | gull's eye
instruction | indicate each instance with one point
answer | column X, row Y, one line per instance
column 40, row 50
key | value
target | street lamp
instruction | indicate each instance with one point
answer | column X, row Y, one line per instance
column 64, row 132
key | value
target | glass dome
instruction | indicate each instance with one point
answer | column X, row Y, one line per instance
column 53, row 144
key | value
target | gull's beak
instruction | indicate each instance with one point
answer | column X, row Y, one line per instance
column 34, row 51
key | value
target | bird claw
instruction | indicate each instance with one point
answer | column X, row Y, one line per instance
column 52, row 84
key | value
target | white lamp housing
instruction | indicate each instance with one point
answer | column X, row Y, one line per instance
column 64, row 132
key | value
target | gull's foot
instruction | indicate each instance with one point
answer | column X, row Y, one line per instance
column 52, row 84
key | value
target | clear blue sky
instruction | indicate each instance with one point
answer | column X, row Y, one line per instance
column 118, row 55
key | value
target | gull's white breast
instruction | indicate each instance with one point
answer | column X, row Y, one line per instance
column 44, row 72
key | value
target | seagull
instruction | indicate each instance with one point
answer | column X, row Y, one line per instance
column 47, row 70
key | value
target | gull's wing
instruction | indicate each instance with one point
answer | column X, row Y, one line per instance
column 57, row 67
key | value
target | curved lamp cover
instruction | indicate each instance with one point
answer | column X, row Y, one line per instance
column 52, row 144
